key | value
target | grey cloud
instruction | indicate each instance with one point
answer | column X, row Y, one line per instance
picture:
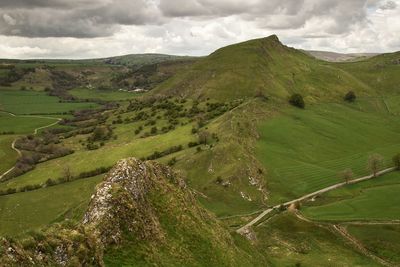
column 275, row 14
column 101, row 18
column 76, row 18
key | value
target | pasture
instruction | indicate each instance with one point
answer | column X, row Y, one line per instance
column 35, row 209
column 31, row 102
column 7, row 155
column 382, row 240
column 22, row 124
column 306, row 243
column 106, row 95
column 376, row 199
column 304, row 150
column 86, row 160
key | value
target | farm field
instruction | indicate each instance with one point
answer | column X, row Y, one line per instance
column 304, row 150
column 21, row 124
column 383, row 240
column 30, row 102
column 7, row 155
column 35, row 209
column 306, row 243
column 87, row 160
column 373, row 200
column 84, row 93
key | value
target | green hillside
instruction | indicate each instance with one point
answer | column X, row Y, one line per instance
column 261, row 66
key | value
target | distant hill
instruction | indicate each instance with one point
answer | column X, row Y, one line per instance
column 143, row 59
column 261, row 66
column 135, row 60
column 339, row 57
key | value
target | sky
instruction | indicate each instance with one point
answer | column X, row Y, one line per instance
column 103, row 28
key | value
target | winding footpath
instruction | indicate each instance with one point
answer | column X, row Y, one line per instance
column 35, row 131
column 246, row 228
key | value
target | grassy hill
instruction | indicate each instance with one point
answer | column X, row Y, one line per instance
column 261, row 66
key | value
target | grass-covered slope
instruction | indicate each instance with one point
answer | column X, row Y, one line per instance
column 261, row 65
column 380, row 72
column 304, row 150
column 40, row 208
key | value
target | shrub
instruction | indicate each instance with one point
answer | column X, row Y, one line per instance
column 350, row 96
column 11, row 191
column 50, row 182
column 153, row 130
column 297, row 101
column 168, row 151
column 172, row 161
column 193, row 144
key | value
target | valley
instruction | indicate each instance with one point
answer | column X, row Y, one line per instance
column 235, row 147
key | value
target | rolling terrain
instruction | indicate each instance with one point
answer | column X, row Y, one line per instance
column 225, row 124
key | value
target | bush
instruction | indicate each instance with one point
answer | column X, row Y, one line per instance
column 172, row 161
column 50, row 182
column 168, row 151
column 350, row 96
column 297, row 101
column 193, row 144
column 11, row 191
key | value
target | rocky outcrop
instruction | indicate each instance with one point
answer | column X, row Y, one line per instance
column 121, row 203
column 141, row 214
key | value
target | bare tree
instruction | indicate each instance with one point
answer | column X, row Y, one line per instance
column 375, row 162
column 67, row 173
column 346, row 174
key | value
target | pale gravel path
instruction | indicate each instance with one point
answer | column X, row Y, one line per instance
column 35, row 131
column 245, row 229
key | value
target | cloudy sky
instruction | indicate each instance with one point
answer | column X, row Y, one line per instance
column 100, row 28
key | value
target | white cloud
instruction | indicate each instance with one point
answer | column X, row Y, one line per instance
column 100, row 28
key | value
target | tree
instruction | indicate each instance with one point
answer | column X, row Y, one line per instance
column 346, row 174
column 67, row 174
column 375, row 162
column 297, row 100
column 350, row 96
column 99, row 133
column 396, row 161
column 204, row 136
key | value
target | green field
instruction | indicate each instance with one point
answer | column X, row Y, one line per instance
column 7, row 155
column 29, row 102
column 21, row 124
column 30, row 210
column 382, row 240
column 87, row 160
column 290, row 242
column 304, row 150
column 373, row 200
column 84, row 93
